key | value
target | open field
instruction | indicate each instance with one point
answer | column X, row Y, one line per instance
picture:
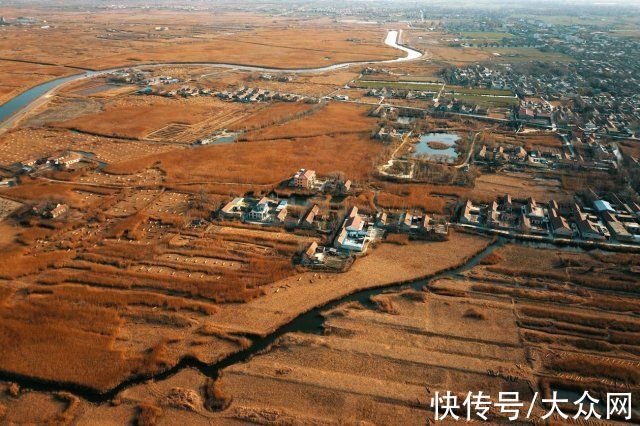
column 333, row 119
column 177, row 249
column 138, row 117
column 485, row 35
column 520, row 185
column 381, row 366
column 524, row 54
column 119, row 285
column 111, row 39
column 384, row 265
column 310, row 141
column 7, row 207
column 17, row 76
column 386, row 361
column 26, row 143
column 503, row 326
column 436, row 198
column 537, row 139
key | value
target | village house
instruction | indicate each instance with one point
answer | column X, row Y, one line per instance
column 51, row 210
column 558, row 224
column 386, row 134
column 588, row 231
column 536, row 216
column 304, row 179
column 65, row 160
column 260, row 211
column 234, row 208
column 616, row 227
column 381, row 219
column 309, row 218
column 337, row 186
column 313, row 254
column 281, row 215
column 353, row 235
column 8, row 182
column 470, row 214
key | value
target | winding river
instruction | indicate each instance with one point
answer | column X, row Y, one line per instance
column 308, row 322
column 37, row 95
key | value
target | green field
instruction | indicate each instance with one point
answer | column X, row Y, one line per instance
column 525, row 54
column 486, row 101
column 626, row 33
column 398, row 85
column 433, row 87
column 481, row 35
column 477, row 91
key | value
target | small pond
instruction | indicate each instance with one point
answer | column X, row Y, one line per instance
column 448, row 155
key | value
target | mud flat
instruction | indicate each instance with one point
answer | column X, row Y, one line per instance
column 286, row 299
column 501, row 326
column 382, row 365
column 385, row 265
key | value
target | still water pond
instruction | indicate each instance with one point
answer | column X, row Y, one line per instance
column 447, row 155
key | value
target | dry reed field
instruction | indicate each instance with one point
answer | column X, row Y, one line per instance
column 311, row 141
column 566, row 322
column 579, row 307
column 136, row 116
column 109, row 39
column 132, row 293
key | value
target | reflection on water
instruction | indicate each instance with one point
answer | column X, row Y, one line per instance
column 448, row 155
column 13, row 106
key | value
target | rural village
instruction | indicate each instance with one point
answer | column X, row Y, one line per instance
column 316, row 212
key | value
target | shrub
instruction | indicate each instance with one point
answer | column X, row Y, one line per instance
column 148, row 415
column 475, row 314
column 216, row 399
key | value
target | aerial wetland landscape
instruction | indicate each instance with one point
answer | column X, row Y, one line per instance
column 319, row 212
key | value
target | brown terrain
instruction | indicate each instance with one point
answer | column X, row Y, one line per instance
column 140, row 304
column 110, row 39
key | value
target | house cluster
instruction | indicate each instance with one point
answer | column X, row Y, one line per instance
column 371, row 71
column 597, row 87
column 61, row 161
column 389, row 93
column 349, row 232
column 535, row 111
column 246, row 94
column 396, row 113
column 262, row 210
column 242, row 94
column 593, row 155
column 358, row 230
column 282, row 78
column 387, row 134
column 141, row 78
column 416, row 225
column 605, row 114
column 604, row 221
column 478, row 76
column 50, row 210
column 458, row 106
column 20, row 20
column 509, row 153
column 276, row 211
